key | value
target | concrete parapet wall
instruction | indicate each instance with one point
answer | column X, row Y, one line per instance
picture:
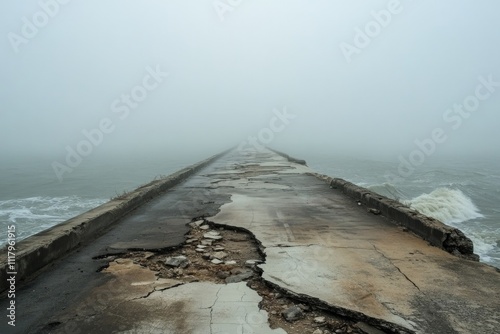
column 41, row 249
column 432, row 230
column 289, row 158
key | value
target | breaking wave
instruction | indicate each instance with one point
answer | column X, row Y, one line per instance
column 446, row 205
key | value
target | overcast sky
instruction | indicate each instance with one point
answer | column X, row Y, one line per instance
column 344, row 76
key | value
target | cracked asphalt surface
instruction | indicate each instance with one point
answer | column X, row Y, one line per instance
column 319, row 245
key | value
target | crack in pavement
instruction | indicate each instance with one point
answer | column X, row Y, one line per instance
column 289, row 232
column 144, row 297
column 298, row 268
column 212, row 308
column 155, row 289
column 290, row 246
column 390, row 261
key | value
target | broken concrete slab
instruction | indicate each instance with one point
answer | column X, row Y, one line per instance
column 212, row 235
column 198, row 222
column 220, row 255
column 239, row 277
column 293, row 313
column 177, row 262
column 320, row 320
column 379, row 274
column 145, row 304
column 321, row 245
column 251, row 263
column 39, row 250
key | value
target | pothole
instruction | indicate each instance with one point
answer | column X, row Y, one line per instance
column 226, row 255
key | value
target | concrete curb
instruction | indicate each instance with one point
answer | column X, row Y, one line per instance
column 432, row 230
column 41, row 249
column 289, row 158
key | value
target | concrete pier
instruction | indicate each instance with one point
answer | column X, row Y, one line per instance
column 245, row 243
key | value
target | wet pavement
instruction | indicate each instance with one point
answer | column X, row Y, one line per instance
column 320, row 247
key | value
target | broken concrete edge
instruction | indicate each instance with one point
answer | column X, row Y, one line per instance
column 260, row 248
column 305, row 299
column 386, row 326
column 43, row 248
column 432, row 230
column 289, row 158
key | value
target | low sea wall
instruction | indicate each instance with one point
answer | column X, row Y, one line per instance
column 432, row 230
column 289, row 158
column 41, row 249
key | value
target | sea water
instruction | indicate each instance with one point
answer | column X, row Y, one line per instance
column 33, row 199
column 462, row 194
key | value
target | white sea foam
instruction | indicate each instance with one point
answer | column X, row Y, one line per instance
column 447, row 205
column 453, row 207
column 34, row 214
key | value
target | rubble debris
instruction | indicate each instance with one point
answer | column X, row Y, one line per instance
column 240, row 277
column 212, row 235
column 220, row 255
column 241, row 255
column 177, row 262
column 251, row 263
column 374, row 211
column 320, row 320
column 293, row 313
column 199, row 222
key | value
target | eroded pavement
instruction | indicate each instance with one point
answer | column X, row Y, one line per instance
column 311, row 247
column 322, row 245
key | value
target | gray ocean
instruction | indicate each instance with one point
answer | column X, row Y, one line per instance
column 463, row 194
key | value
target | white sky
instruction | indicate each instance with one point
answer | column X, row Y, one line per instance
column 226, row 77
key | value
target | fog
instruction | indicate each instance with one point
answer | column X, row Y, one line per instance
column 364, row 78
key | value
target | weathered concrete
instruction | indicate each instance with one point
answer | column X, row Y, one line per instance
column 320, row 246
column 430, row 229
column 134, row 300
column 39, row 250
